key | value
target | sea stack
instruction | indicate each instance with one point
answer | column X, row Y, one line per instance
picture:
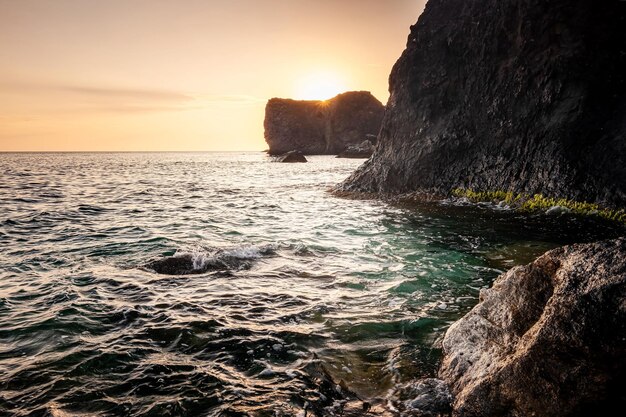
column 315, row 127
column 506, row 95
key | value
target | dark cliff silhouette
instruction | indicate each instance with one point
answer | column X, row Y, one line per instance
column 322, row 127
column 524, row 96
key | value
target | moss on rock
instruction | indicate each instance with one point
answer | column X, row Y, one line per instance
column 538, row 202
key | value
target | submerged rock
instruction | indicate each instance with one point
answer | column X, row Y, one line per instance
column 548, row 339
column 316, row 127
column 210, row 260
column 335, row 399
column 292, row 156
column 428, row 397
column 187, row 265
column 174, row 265
column 523, row 96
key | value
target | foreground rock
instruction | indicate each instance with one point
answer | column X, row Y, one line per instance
column 292, row 156
column 321, row 127
column 527, row 97
column 548, row 339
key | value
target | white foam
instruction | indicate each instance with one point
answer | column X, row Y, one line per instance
column 203, row 257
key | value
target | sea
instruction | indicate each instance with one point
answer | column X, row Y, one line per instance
column 299, row 302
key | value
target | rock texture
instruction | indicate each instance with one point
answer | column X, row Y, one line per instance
column 321, row 127
column 514, row 95
column 175, row 265
column 548, row 339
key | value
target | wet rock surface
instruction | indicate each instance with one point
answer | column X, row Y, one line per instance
column 548, row 338
column 316, row 127
column 525, row 96
column 174, row 265
column 209, row 259
column 188, row 265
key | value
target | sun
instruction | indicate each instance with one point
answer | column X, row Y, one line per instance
column 319, row 86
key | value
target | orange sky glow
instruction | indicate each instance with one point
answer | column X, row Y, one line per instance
column 188, row 75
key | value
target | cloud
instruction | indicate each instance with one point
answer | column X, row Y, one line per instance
column 17, row 119
column 67, row 97
column 128, row 93
column 91, row 91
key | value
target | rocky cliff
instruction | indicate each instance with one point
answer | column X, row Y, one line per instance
column 322, row 127
column 514, row 95
column 548, row 339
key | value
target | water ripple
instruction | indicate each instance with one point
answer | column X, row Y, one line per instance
column 285, row 297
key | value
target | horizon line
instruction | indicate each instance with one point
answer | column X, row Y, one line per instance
column 111, row 151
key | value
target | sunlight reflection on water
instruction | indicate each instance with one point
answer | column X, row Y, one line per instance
column 312, row 285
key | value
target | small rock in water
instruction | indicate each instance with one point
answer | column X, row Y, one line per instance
column 174, row 265
column 292, row 156
column 277, row 347
column 361, row 150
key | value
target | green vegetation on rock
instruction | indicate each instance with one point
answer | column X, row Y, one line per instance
column 538, row 202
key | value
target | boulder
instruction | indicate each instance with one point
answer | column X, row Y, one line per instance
column 527, row 96
column 362, row 150
column 174, row 265
column 291, row 156
column 316, row 127
column 548, row 339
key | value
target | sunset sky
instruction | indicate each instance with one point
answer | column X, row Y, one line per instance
column 185, row 75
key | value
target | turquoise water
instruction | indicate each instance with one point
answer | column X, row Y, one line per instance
column 310, row 290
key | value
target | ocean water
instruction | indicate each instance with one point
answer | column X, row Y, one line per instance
column 297, row 299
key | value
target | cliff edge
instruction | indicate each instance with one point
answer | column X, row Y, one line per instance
column 322, row 127
column 524, row 96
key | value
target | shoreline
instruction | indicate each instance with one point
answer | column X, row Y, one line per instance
column 541, row 206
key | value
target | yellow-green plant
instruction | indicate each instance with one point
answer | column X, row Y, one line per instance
column 538, row 202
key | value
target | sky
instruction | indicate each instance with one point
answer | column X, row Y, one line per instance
column 182, row 75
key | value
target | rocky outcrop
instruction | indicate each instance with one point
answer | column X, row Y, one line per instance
column 515, row 95
column 321, row 127
column 362, row 150
column 548, row 339
column 291, row 156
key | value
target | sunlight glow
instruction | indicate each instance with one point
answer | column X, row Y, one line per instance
column 319, row 86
